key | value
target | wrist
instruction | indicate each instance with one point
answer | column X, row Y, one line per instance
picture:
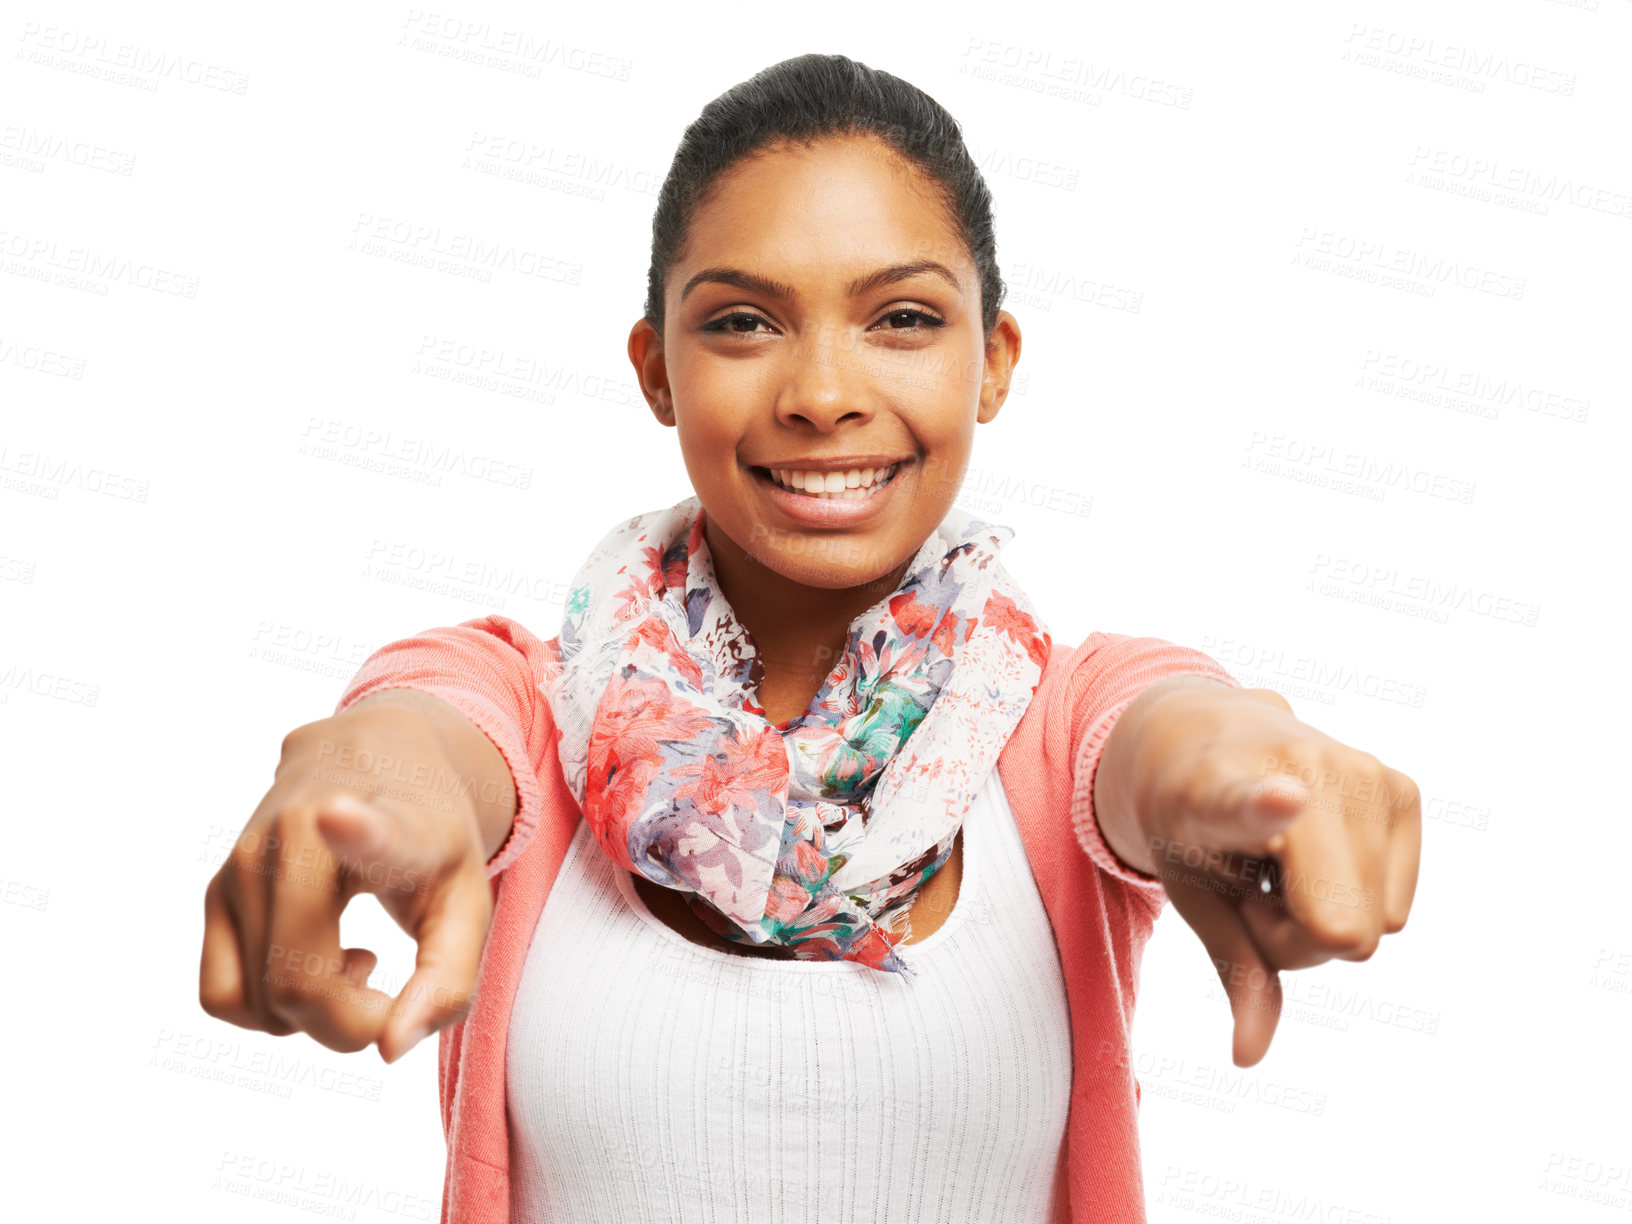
column 1139, row 741
column 475, row 773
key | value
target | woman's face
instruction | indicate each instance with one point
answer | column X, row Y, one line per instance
column 824, row 321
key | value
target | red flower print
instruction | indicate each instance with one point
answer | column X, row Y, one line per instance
column 745, row 768
column 634, row 719
column 809, row 864
column 655, row 632
column 787, row 900
column 912, row 614
column 1003, row 613
column 874, row 949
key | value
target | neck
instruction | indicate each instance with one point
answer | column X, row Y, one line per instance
column 798, row 630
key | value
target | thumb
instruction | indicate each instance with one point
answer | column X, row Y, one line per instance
column 1254, row 991
column 451, row 936
column 1252, row 986
column 378, row 849
column 1254, row 810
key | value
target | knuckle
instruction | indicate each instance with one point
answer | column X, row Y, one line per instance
column 1370, row 763
column 290, row 1007
column 1272, row 697
column 1406, row 788
column 296, row 738
column 287, row 820
column 1366, row 946
column 342, row 1041
column 1197, row 790
column 1340, row 935
column 277, row 1027
column 215, row 1002
column 292, row 993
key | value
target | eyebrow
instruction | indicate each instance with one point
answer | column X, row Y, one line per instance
column 862, row 284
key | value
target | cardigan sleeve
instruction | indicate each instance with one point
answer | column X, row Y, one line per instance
column 489, row 669
column 1108, row 671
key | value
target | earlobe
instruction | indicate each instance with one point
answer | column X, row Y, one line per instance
column 646, row 355
column 991, row 399
column 1002, row 353
column 661, row 408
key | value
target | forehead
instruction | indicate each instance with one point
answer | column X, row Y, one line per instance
column 836, row 205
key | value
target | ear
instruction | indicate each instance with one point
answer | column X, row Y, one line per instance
column 1002, row 354
column 646, row 355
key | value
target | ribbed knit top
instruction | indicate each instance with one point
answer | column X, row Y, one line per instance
column 650, row 1078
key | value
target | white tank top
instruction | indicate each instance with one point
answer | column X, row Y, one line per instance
column 650, row 1078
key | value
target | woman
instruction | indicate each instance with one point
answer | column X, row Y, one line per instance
column 732, row 954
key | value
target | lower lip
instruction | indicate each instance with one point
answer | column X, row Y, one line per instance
column 829, row 511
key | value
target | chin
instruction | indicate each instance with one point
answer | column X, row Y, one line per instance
column 829, row 579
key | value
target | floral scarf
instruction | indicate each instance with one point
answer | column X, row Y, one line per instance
column 817, row 833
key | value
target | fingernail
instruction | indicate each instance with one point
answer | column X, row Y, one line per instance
column 1276, row 790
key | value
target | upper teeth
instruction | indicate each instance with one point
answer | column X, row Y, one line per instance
column 832, row 482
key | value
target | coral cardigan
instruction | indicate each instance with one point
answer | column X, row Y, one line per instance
column 1101, row 910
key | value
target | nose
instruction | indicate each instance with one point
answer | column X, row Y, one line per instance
column 824, row 385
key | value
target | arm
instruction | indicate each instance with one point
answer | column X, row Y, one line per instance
column 479, row 683
column 1279, row 846
column 1113, row 785
column 478, row 765
column 1115, row 679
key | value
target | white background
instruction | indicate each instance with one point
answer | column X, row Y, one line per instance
column 181, row 583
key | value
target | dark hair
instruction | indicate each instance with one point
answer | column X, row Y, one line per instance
column 803, row 100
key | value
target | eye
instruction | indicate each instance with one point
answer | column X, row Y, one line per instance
column 925, row 319
column 729, row 324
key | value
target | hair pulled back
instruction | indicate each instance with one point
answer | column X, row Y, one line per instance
column 806, row 99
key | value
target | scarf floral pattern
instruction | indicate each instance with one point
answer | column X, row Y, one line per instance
column 817, row 833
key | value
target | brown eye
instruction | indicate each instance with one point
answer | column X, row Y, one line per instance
column 728, row 324
column 914, row 319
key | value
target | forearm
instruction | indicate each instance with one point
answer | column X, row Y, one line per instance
column 480, row 773
column 1116, row 787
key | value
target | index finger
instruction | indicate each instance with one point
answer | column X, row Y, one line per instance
column 1404, row 852
column 221, row 968
column 1324, row 889
column 308, row 974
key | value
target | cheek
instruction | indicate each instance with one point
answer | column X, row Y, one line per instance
column 707, row 440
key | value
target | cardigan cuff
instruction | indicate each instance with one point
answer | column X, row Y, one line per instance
column 502, row 732
column 1085, row 821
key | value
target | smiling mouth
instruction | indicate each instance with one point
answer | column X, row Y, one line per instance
column 853, row 485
